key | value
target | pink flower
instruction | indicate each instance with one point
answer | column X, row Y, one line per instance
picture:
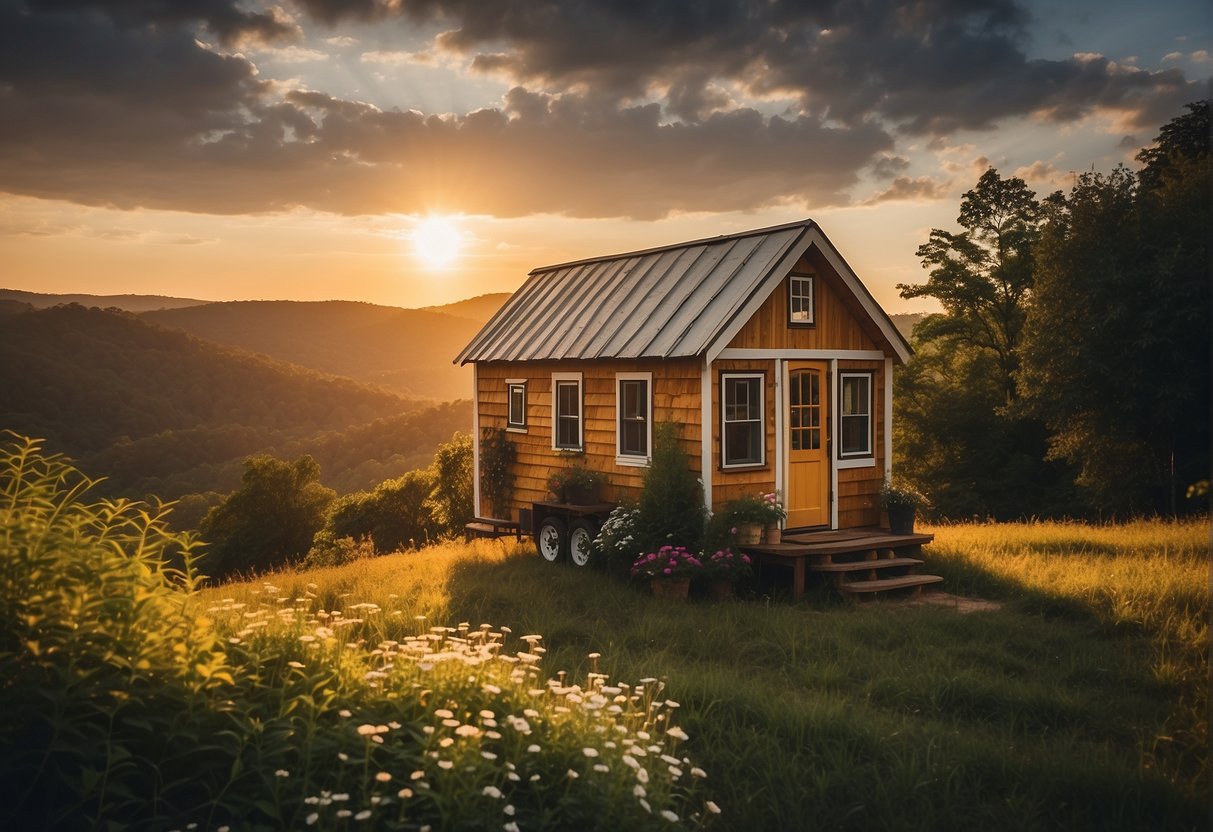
column 733, row 530
column 668, row 571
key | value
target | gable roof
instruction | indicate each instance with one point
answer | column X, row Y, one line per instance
column 683, row 300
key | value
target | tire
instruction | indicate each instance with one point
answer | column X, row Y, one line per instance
column 581, row 534
column 552, row 539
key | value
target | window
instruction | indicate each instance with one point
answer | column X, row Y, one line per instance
column 634, row 406
column 855, row 414
column 566, row 411
column 800, row 299
column 516, row 394
column 742, row 417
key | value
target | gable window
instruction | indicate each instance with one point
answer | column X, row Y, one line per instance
column 634, row 423
column 516, row 396
column 741, row 402
column 800, row 299
column 566, row 411
column 855, row 415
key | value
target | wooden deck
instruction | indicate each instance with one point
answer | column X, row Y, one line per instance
column 862, row 562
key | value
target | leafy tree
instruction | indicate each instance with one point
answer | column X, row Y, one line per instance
column 394, row 515
column 956, row 438
column 982, row 276
column 1116, row 353
column 671, row 498
column 271, row 519
column 453, row 495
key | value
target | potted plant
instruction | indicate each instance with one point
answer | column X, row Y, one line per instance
column 668, row 571
column 749, row 515
column 775, row 517
column 576, row 485
column 900, row 501
column 725, row 569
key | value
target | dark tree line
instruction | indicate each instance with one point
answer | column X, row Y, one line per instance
column 1069, row 371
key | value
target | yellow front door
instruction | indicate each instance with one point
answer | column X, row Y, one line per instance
column 807, row 441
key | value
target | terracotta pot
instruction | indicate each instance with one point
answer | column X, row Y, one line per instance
column 749, row 534
column 720, row 590
column 774, row 533
column 676, row 589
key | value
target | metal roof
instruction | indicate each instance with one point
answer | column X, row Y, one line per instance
column 669, row 302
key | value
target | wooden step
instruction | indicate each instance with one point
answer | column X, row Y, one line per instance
column 886, row 584
column 863, row 565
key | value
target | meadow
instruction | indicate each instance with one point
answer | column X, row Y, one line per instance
column 477, row 687
column 1079, row 702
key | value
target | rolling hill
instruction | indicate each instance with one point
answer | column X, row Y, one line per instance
column 128, row 303
column 408, row 351
column 159, row 411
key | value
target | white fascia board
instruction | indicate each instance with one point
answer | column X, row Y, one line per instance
column 803, row 355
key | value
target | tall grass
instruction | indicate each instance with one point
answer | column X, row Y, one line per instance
column 1077, row 705
column 131, row 702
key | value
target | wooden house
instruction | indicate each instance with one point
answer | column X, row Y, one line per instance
column 764, row 346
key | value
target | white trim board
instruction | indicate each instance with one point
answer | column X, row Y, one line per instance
column 476, row 439
column 706, row 434
column 804, row 355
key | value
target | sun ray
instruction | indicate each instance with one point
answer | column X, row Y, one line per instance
column 437, row 241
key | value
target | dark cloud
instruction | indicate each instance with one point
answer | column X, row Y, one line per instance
column 224, row 18
column 621, row 109
column 906, row 188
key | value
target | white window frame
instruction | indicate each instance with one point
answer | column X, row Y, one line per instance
column 811, row 298
column 865, row 458
column 622, row 458
column 557, row 380
column 762, row 420
column 510, row 425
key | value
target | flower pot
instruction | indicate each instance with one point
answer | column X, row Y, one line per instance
column 579, row 495
column 721, row 590
column 749, row 534
column 676, row 589
column 774, row 534
column 901, row 519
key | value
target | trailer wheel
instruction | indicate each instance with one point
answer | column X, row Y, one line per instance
column 551, row 539
column 581, row 534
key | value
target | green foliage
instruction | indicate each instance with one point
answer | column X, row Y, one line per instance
column 497, row 456
column 983, row 275
column 756, row 509
column 575, row 480
column 671, row 497
column 126, row 707
column 1181, row 141
column 898, row 494
column 453, row 497
column 330, row 550
column 102, row 655
column 616, row 547
column 1116, row 354
column 395, row 515
column 270, row 520
column 954, row 440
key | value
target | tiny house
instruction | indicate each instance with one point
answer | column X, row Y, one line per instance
column 764, row 346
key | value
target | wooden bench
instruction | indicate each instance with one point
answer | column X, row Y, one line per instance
column 492, row 527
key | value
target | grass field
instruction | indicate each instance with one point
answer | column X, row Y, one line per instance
column 1080, row 702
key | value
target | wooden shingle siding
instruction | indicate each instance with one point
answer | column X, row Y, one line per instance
column 859, row 488
column 734, row 482
column 836, row 327
column 675, row 398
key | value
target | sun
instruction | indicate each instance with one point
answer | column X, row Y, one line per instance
column 437, row 241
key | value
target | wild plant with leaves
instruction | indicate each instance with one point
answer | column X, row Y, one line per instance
column 130, row 705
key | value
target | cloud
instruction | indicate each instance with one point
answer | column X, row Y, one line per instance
column 905, row 188
column 629, row 109
column 398, row 58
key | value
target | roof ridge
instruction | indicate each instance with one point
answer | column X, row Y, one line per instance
column 806, row 223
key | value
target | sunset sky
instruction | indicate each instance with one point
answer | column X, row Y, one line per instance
column 223, row 150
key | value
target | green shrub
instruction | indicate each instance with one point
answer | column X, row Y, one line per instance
column 128, row 707
column 671, row 499
column 102, row 655
column 453, row 498
column 271, row 520
column 330, row 550
column 397, row 514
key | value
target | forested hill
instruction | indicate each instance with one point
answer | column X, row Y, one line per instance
column 131, row 303
column 408, row 351
column 157, row 410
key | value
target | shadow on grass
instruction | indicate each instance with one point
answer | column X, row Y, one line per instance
column 828, row 714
